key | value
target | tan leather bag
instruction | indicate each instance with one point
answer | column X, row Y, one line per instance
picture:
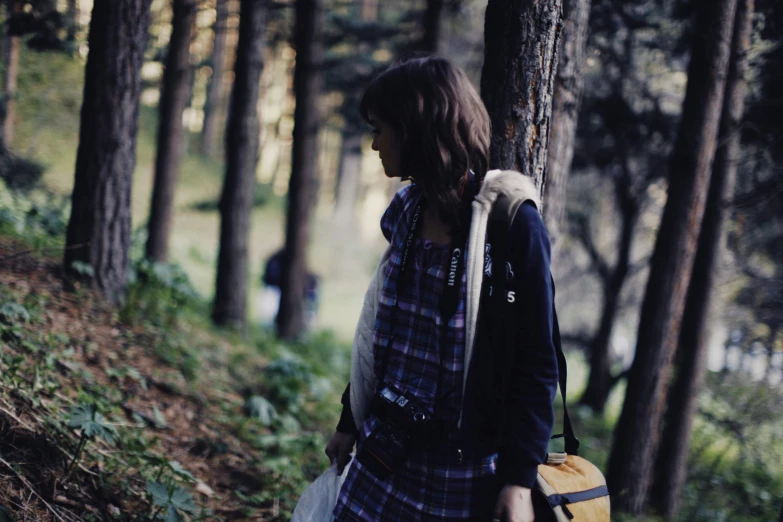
column 570, row 488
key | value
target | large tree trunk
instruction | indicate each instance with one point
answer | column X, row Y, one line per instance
column 301, row 197
column 11, row 48
column 433, row 23
column 214, row 102
column 637, row 432
column 671, row 466
column 601, row 381
column 175, row 94
column 99, row 230
column 521, row 39
column 242, row 142
column 565, row 110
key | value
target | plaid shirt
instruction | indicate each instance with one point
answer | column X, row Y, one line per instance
column 426, row 361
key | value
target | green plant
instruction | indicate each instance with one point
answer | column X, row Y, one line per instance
column 13, row 313
column 261, row 409
column 159, row 293
column 85, row 417
column 170, row 499
column 84, row 270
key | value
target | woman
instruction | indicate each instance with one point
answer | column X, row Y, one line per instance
column 438, row 437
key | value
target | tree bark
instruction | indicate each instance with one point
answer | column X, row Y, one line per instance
column 601, row 381
column 99, row 229
column 301, row 197
column 520, row 63
column 214, row 102
column 433, row 23
column 637, row 432
column 242, row 143
column 565, row 111
column 11, row 48
column 671, row 466
column 175, row 94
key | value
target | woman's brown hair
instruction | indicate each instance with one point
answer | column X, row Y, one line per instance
column 441, row 123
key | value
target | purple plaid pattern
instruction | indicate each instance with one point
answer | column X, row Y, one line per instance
column 430, row 485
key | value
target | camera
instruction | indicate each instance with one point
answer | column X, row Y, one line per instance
column 403, row 424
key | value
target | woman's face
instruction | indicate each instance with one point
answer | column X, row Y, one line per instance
column 387, row 143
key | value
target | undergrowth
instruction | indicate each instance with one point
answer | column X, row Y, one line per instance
column 148, row 412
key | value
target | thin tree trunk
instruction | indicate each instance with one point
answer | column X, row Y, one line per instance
column 73, row 19
column 636, row 435
column 214, row 102
column 175, row 94
column 242, row 143
column 349, row 177
column 433, row 23
column 99, row 229
column 773, row 335
column 565, row 111
column 671, row 467
column 11, row 48
column 304, row 157
column 601, row 381
column 349, row 171
column 521, row 40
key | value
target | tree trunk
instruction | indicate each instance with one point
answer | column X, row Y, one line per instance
column 637, row 432
column 242, row 143
column 601, row 381
column 349, row 177
column 175, row 93
column 11, row 48
column 301, row 197
column 99, row 229
column 214, row 103
column 773, row 335
column 72, row 15
column 520, row 63
column 565, row 110
column 433, row 22
column 671, row 466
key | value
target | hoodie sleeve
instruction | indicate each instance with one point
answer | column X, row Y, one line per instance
column 346, row 423
column 532, row 388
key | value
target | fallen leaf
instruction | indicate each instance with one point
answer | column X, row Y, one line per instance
column 205, row 490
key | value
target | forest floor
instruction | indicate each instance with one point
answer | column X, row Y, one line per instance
column 172, row 434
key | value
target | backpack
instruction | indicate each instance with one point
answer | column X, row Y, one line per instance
column 568, row 487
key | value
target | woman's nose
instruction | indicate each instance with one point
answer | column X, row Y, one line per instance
column 375, row 143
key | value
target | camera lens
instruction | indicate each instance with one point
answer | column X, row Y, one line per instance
column 419, row 416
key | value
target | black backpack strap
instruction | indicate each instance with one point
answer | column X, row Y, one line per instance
column 503, row 212
column 571, row 442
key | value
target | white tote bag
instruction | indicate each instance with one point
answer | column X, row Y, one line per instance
column 318, row 500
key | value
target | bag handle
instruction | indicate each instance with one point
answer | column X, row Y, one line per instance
column 505, row 210
column 571, row 442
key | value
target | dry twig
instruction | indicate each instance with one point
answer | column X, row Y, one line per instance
column 32, row 490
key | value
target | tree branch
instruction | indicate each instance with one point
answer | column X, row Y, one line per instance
column 583, row 235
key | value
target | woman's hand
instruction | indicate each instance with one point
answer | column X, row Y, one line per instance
column 339, row 449
column 515, row 504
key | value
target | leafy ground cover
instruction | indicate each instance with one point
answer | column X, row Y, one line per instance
column 147, row 413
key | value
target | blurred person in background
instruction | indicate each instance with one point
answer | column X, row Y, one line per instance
column 268, row 301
